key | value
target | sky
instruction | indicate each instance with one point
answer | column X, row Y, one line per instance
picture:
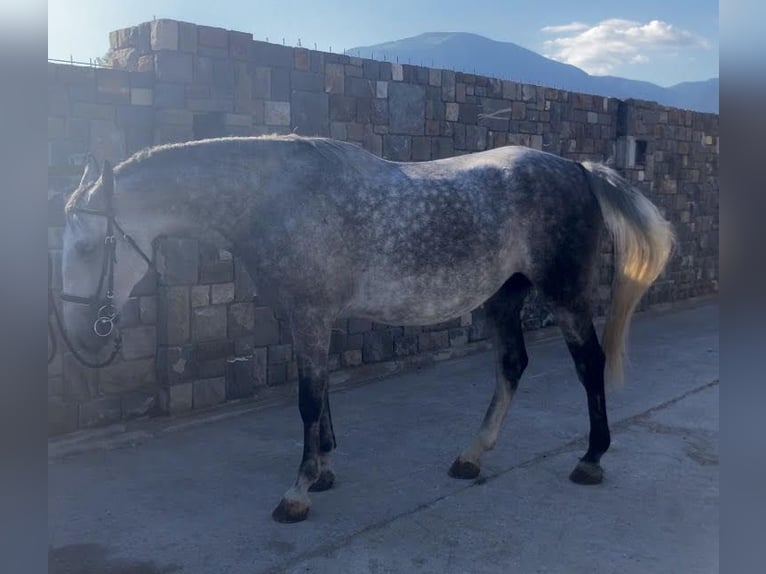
column 660, row 41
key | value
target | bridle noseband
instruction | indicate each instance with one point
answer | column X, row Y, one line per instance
column 106, row 313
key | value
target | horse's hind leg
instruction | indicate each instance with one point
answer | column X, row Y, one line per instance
column 311, row 339
column 504, row 316
column 576, row 324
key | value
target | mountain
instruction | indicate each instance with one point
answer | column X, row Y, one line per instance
column 472, row 53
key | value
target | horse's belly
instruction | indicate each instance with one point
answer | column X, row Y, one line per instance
column 422, row 301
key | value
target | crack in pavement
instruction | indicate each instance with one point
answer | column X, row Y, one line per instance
column 640, row 419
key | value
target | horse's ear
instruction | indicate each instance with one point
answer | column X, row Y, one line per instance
column 90, row 174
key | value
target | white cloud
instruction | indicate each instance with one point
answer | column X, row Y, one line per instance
column 564, row 28
column 602, row 48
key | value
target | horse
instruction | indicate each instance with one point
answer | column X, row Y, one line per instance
column 327, row 230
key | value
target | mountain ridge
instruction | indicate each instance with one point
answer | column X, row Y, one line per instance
column 474, row 53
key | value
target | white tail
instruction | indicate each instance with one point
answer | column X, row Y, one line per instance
column 643, row 242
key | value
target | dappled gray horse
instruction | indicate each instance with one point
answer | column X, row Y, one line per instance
column 330, row 230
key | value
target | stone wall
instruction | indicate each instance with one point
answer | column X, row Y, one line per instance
column 201, row 336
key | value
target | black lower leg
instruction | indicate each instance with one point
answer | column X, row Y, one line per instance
column 589, row 362
column 327, row 443
column 312, row 381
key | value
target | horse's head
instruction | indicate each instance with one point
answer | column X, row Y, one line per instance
column 100, row 263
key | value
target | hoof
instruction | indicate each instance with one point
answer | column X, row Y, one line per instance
column 324, row 482
column 587, row 473
column 290, row 511
column 463, row 470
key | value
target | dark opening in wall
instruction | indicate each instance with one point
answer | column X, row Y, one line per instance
column 640, row 152
column 208, row 125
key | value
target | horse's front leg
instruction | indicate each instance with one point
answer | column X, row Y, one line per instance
column 311, row 347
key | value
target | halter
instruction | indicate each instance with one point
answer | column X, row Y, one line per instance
column 106, row 314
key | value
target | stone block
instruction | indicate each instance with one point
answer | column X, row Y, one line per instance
column 176, row 364
column 397, row 147
column 174, row 67
column 434, row 77
column 397, row 72
column 310, row 113
column 93, row 111
column 442, row 147
column 406, row 109
column 139, row 342
column 371, row 69
column 381, row 89
column 177, row 261
column 301, row 59
column 460, row 92
column 378, row 346
column 133, row 37
column 208, row 392
column 476, row 138
column 187, row 37
column 99, row 412
column 458, row 337
column 180, row 398
column 267, row 54
column 372, row 142
column 169, row 95
column 213, row 269
column 351, row 358
column 138, row 403
column 338, row 130
column 239, row 380
column 260, row 367
column 141, row 96
column 334, row 81
column 277, row 375
column 112, row 86
column 379, row 112
column 164, row 35
column 222, row 293
column 124, row 376
column 360, row 87
column 240, row 45
column 147, row 308
column 353, row 71
column 262, row 82
column 277, row 113
column 200, row 295
column 421, row 148
column 211, row 37
column 209, row 323
column 279, row 354
column 107, row 140
column 242, row 320
column 433, row 341
column 62, row 416
column 80, row 383
column 405, row 345
column 358, row 326
column 342, row 108
column 175, row 117
column 173, row 324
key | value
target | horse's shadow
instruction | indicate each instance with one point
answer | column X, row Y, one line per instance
column 94, row 559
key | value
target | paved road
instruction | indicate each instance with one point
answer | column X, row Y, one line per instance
column 198, row 500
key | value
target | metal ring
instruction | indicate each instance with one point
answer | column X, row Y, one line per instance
column 106, row 321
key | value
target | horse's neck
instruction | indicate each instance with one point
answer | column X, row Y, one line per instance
column 145, row 218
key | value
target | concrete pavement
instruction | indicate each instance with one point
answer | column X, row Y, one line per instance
column 198, row 499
